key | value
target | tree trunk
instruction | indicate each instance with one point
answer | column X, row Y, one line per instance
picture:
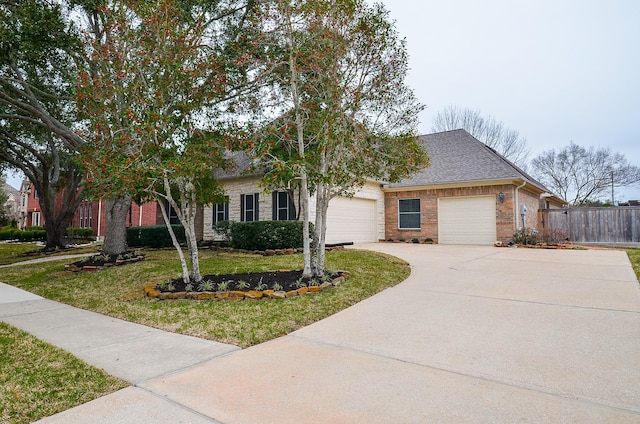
column 174, row 240
column 58, row 217
column 320, row 231
column 115, row 235
column 189, row 214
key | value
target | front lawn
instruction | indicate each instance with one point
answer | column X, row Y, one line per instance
column 17, row 252
column 118, row 292
column 38, row 380
column 634, row 257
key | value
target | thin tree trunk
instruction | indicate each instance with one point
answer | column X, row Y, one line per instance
column 115, row 235
column 304, row 190
column 174, row 240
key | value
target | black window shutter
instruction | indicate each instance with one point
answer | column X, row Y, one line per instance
column 242, row 218
column 226, row 211
column 274, row 211
column 256, row 212
column 292, row 206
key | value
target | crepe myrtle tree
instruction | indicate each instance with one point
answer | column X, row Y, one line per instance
column 343, row 113
column 155, row 99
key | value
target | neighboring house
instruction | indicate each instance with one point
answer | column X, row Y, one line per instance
column 90, row 214
column 12, row 204
column 469, row 195
column 30, row 212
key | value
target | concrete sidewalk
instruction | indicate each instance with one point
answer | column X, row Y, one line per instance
column 475, row 335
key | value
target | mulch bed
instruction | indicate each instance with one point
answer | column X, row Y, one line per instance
column 285, row 279
column 96, row 262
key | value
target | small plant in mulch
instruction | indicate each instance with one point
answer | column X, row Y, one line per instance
column 101, row 260
column 255, row 281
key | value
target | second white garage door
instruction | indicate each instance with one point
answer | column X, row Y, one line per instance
column 351, row 220
column 467, row 220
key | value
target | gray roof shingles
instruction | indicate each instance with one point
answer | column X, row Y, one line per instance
column 458, row 157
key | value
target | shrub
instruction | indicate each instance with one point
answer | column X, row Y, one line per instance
column 6, row 234
column 224, row 229
column 155, row 236
column 552, row 236
column 80, row 233
column 263, row 235
column 526, row 236
column 27, row 235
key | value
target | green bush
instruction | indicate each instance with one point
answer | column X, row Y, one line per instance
column 79, row 233
column 27, row 235
column 263, row 235
column 39, row 235
column 155, row 236
column 6, row 235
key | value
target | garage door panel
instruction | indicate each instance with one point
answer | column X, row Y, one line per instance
column 351, row 220
column 467, row 220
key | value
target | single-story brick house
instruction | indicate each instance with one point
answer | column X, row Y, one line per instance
column 469, row 195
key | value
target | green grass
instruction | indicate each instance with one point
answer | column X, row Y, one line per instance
column 118, row 292
column 634, row 257
column 11, row 253
column 38, row 380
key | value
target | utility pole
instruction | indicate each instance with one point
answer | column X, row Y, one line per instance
column 612, row 192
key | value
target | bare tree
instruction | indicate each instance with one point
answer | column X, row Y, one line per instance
column 491, row 132
column 580, row 175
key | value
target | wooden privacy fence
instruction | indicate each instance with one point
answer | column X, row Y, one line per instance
column 595, row 225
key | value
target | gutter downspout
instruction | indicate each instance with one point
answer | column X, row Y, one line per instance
column 517, row 203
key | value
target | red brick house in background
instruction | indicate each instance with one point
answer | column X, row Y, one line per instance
column 90, row 214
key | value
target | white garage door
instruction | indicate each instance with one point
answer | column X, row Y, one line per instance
column 467, row 220
column 351, row 220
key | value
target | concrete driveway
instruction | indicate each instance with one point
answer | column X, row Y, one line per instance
column 475, row 335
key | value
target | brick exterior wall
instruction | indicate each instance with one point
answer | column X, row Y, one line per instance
column 505, row 224
column 532, row 202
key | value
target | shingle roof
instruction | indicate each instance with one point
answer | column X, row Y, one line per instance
column 458, row 157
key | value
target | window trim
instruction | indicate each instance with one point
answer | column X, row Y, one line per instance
column 35, row 222
column 254, row 207
column 224, row 206
column 419, row 213
column 277, row 207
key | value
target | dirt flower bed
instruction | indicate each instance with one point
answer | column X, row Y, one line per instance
column 271, row 284
column 100, row 261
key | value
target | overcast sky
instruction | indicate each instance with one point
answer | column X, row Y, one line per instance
column 555, row 70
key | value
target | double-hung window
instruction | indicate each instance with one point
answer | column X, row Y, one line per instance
column 283, row 207
column 409, row 214
column 249, row 207
column 221, row 211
